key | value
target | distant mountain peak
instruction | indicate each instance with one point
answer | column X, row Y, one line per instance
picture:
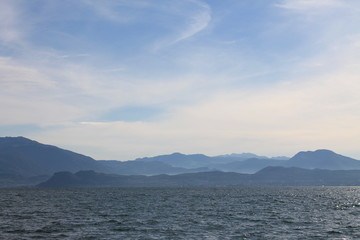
column 323, row 159
column 177, row 154
column 324, row 150
column 16, row 140
column 30, row 158
column 317, row 153
column 242, row 155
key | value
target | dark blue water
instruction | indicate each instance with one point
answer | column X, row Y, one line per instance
column 181, row 213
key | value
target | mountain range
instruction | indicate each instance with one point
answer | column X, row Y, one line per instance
column 269, row 176
column 25, row 157
column 27, row 162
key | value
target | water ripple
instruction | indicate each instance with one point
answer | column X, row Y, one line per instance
column 181, row 213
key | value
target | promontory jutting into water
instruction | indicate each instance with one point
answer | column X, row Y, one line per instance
column 181, row 213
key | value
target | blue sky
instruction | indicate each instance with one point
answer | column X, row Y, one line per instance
column 132, row 78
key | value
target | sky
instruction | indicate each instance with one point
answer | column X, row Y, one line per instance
column 123, row 79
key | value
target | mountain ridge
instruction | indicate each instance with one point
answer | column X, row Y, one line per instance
column 322, row 157
column 269, row 176
column 30, row 158
column 22, row 159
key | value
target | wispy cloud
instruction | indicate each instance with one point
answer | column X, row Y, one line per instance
column 197, row 16
column 197, row 23
column 11, row 26
column 75, row 55
column 311, row 4
column 116, row 69
column 18, row 79
column 114, row 10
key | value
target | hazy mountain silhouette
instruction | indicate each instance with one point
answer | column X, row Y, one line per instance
column 245, row 156
column 19, row 155
column 146, row 168
column 323, row 159
column 222, row 162
column 251, row 165
column 181, row 160
column 270, row 176
column 93, row 179
column 292, row 176
column 24, row 161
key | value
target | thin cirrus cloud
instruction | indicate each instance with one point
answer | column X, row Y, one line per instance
column 196, row 17
column 195, row 14
column 310, row 4
column 114, row 10
column 197, row 23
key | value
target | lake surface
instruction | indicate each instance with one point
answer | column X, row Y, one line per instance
column 181, row 213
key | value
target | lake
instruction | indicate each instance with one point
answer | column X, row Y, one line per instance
column 181, row 213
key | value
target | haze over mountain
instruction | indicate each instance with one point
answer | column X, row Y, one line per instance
column 322, row 159
column 26, row 157
column 146, row 168
column 251, row 155
column 270, row 176
column 201, row 160
column 24, row 161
